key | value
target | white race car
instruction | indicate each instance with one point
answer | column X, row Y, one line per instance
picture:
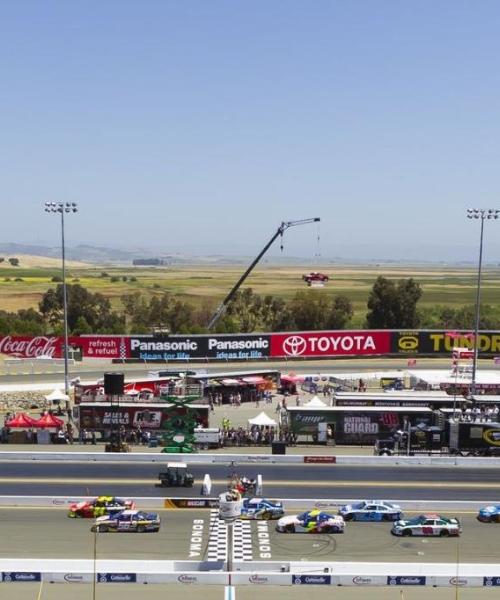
column 135, row 521
column 312, row 521
column 371, row 510
column 427, row 525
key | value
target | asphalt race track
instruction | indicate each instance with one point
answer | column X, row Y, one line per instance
column 280, row 481
column 49, row 533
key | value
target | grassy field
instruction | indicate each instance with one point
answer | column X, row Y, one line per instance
column 451, row 286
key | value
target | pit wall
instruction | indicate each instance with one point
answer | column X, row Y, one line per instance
column 225, row 459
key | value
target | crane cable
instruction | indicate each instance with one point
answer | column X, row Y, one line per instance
column 318, row 241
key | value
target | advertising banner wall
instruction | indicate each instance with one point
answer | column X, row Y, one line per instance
column 443, row 342
column 31, row 347
column 101, row 346
column 254, row 346
column 216, row 347
column 355, row 427
column 331, row 343
column 152, row 416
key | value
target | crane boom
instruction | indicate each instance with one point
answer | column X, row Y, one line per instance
column 281, row 229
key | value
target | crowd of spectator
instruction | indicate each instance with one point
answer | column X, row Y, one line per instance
column 479, row 413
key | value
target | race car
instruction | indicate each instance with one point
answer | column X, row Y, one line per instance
column 428, row 525
column 128, row 520
column 103, row 505
column 371, row 510
column 259, row 508
column 313, row 521
column 489, row 514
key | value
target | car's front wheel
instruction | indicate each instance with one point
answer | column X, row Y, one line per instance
column 406, row 533
column 444, row 533
column 333, row 529
column 289, row 528
column 102, row 529
column 348, row 517
column 141, row 529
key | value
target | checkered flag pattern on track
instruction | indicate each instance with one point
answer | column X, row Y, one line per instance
column 217, row 540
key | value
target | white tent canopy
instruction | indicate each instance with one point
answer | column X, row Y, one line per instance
column 56, row 395
column 315, row 401
column 262, row 420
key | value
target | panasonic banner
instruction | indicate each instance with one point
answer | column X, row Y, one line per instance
column 215, row 347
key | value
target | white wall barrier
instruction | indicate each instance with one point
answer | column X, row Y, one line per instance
column 206, row 487
column 227, row 459
column 158, row 503
column 220, row 578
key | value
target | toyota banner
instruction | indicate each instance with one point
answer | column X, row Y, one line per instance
column 331, row 343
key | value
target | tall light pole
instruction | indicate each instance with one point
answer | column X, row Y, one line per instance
column 483, row 214
column 61, row 208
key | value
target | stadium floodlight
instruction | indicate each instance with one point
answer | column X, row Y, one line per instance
column 62, row 208
column 483, row 214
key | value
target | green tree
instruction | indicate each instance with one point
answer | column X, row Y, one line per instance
column 137, row 311
column 245, row 308
column 94, row 308
column 409, row 293
column 393, row 306
column 310, row 309
column 340, row 314
column 181, row 317
column 82, row 327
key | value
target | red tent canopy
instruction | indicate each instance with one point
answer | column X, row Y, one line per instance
column 22, row 420
column 48, row 421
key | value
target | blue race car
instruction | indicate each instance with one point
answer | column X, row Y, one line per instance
column 489, row 514
column 371, row 510
column 259, row 508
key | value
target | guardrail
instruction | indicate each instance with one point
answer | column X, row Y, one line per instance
column 255, row 573
column 227, row 459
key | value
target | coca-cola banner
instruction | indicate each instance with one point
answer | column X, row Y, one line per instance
column 331, row 343
column 31, row 347
column 98, row 346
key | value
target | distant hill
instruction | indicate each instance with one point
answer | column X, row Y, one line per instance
column 82, row 253
column 29, row 261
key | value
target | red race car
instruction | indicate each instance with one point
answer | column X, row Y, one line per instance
column 103, row 505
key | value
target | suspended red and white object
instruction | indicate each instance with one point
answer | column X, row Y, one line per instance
column 315, row 279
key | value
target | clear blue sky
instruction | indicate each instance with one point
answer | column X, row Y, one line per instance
column 201, row 125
